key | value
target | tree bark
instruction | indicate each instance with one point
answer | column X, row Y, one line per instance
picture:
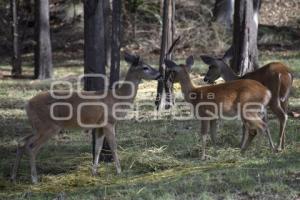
column 94, row 41
column 223, row 12
column 16, row 57
column 245, row 52
column 43, row 53
column 115, row 42
column 165, row 95
column 133, row 18
column 108, row 30
column 94, row 53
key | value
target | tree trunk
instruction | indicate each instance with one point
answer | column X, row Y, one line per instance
column 94, row 41
column 165, row 95
column 108, row 30
column 223, row 12
column 162, row 2
column 43, row 55
column 245, row 52
column 115, row 42
column 133, row 22
column 94, row 52
column 16, row 57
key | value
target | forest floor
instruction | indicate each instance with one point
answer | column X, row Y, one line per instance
column 160, row 158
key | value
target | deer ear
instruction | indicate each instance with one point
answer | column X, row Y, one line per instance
column 208, row 60
column 132, row 59
column 170, row 64
column 189, row 62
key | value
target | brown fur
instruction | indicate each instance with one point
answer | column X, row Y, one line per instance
column 39, row 107
column 227, row 97
column 278, row 79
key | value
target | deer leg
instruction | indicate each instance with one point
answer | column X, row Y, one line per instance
column 33, row 146
column 263, row 127
column 109, row 132
column 248, row 133
column 33, row 171
column 282, row 117
column 284, row 106
column 248, row 139
column 245, row 139
column 204, row 131
column 213, row 131
column 270, row 139
column 20, row 152
column 243, row 136
column 98, row 148
column 265, row 121
column 28, row 146
column 253, row 133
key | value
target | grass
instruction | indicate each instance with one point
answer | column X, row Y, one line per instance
column 160, row 158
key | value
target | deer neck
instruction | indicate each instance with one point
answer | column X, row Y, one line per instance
column 129, row 88
column 227, row 73
column 186, row 84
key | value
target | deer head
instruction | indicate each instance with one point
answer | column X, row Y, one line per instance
column 214, row 69
column 177, row 69
column 140, row 69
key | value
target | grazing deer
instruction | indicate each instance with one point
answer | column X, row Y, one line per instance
column 275, row 76
column 224, row 100
column 97, row 111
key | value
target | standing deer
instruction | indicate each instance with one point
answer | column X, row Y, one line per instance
column 94, row 112
column 227, row 98
column 275, row 76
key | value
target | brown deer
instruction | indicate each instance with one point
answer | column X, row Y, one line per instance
column 275, row 76
column 209, row 102
column 95, row 112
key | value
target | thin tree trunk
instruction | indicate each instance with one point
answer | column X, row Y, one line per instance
column 164, row 91
column 245, row 52
column 74, row 11
column 94, row 51
column 133, row 25
column 223, row 12
column 162, row 2
column 108, row 30
column 16, row 57
column 115, row 42
column 94, row 41
column 43, row 52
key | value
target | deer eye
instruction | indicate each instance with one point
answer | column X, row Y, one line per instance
column 145, row 68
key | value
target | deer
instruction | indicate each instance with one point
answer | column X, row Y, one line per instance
column 228, row 98
column 275, row 76
column 92, row 115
